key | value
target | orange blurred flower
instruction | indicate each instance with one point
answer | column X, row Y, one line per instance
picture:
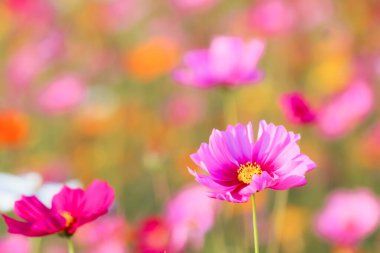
column 13, row 128
column 152, row 58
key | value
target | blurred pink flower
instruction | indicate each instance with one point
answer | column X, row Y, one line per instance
column 272, row 17
column 14, row 244
column 194, row 5
column 61, row 95
column 119, row 14
column 228, row 62
column 105, row 235
column 112, row 245
column 188, row 222
column 313, row 12
column 33, row 12
column 30, row 61
column 185, row 109
column 296, row 108
column 23, row 67
column 239, row 167
column 346, row 110
column 348, row 217
column 153, row 236
column 71, row 208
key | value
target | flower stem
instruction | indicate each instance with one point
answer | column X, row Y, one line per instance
column 281, row 199
column 230, row 107
column 254, row 223
column 36, row 245
column 70, row 245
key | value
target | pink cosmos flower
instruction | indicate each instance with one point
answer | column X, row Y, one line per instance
column 296, row 108
column 185, row 109
column 108, row 234
column 346, row 110
column 117, row 15
column 313, row 12
column 194, row 5
column 272, row 17
column 238, row 166
column 31, row 60
column 229, row 62
column 33, row 12
column 23, row 68
column 153, row 236
column 14, row 244
column 348, row 217
column 71, row 208
column 61, row 95
column 189, row 223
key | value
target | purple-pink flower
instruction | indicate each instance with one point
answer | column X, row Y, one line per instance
column 228, row 62
column 239, row 166
column 348, row 217
column 297, row 109
column 71, row 208
column 188, row 222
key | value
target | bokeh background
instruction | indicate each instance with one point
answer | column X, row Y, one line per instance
column 87, row 92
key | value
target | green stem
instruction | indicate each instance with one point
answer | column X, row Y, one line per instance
column 281, row 200
column 36, row 245
column 230, row 107
column 70, row 245
column 254, row 223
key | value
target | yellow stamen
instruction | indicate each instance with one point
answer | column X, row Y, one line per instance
column 68, row 217
column 247, row 171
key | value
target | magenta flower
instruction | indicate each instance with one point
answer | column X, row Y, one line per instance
column 71, row 208
column 229, row 62
column 238, row 166
column 189, row 223
column 348, row 217
column 296, row 109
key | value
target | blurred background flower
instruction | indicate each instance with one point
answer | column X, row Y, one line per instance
column 88, row 92
column 354, row 214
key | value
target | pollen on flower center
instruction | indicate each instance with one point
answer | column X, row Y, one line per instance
column 68, row 217
column 247, row 171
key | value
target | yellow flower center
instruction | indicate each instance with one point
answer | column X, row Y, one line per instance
column 247, row 171
column 68, row 217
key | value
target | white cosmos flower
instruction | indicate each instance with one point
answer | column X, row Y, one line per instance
column 12, row 187
column 46, row 192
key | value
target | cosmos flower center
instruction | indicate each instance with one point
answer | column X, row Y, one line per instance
column 68, row 217
column 247, row 171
